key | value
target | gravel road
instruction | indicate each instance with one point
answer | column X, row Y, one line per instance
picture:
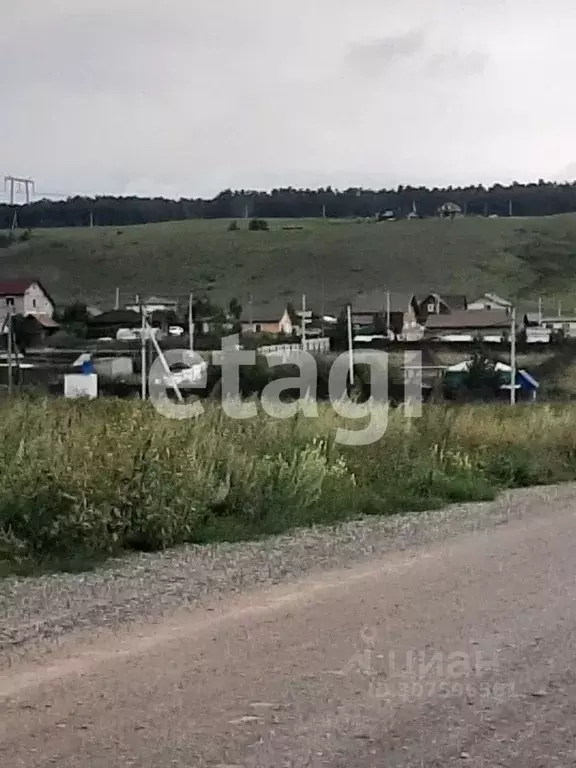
column 431, row 640
column 148, row 587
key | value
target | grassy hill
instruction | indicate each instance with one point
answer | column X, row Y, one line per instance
column 328, row 260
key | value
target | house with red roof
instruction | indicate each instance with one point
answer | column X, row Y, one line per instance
column 25, row 296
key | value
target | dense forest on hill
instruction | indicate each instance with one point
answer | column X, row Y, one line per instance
column 537, row 199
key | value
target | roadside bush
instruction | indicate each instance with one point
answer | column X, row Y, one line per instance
column 88, row 479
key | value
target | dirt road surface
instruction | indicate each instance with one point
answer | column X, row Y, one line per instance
column 455, row 653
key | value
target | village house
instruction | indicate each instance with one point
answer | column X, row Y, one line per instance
column 489, row 302
column 450, row 211
column 25, row 296
column 440, row 304
column 371, row 310
column 109, row 323
column 558, row 324
column 37, row 329
column 491, row 325
column 276, row 318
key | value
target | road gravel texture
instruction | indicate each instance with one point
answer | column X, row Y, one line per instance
column 437, row 639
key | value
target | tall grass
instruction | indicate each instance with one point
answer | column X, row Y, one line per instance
column 88, row 479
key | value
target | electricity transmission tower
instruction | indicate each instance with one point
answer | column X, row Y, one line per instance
column 15, row 184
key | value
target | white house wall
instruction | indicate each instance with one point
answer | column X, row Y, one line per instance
column 286, row 326
column 36, row 302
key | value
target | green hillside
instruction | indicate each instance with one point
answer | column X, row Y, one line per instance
column 328, row 260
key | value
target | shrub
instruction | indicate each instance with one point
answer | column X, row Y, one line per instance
column 74, row 313
column 482, row 381
column 258, row 225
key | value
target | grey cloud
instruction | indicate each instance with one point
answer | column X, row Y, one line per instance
column 376, row 56
column 119, row 49
column 195, row 95
column 455, row 63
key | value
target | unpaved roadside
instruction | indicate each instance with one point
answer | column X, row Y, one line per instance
column 459, row 650
column 35, row 613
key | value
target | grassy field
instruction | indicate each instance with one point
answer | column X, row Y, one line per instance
column 83, row 480
column 329, row 260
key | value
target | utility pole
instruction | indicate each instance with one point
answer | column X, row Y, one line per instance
column 14, row 221
column 560, row 309
column 169, row 373
column 513, row 357
column 10, row 369
column 540, row 310
column 117, row 302
column 350, row 344
column 304, row 321
column 250, row 313
column 388, row 312
column 10, row 183
column 143, row 350
column 191, row 322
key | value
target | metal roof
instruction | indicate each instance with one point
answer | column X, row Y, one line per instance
column 452, row 301
column 494, row 299
column 475, row 318
column 376, row 302
column 264, row 312
column 19, row 285
column 534, row 317
column 44, row 320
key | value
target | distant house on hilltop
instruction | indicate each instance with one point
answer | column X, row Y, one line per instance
column 25, row 296
column 450, row 211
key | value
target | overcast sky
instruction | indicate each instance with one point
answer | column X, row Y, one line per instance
column 186, row 97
